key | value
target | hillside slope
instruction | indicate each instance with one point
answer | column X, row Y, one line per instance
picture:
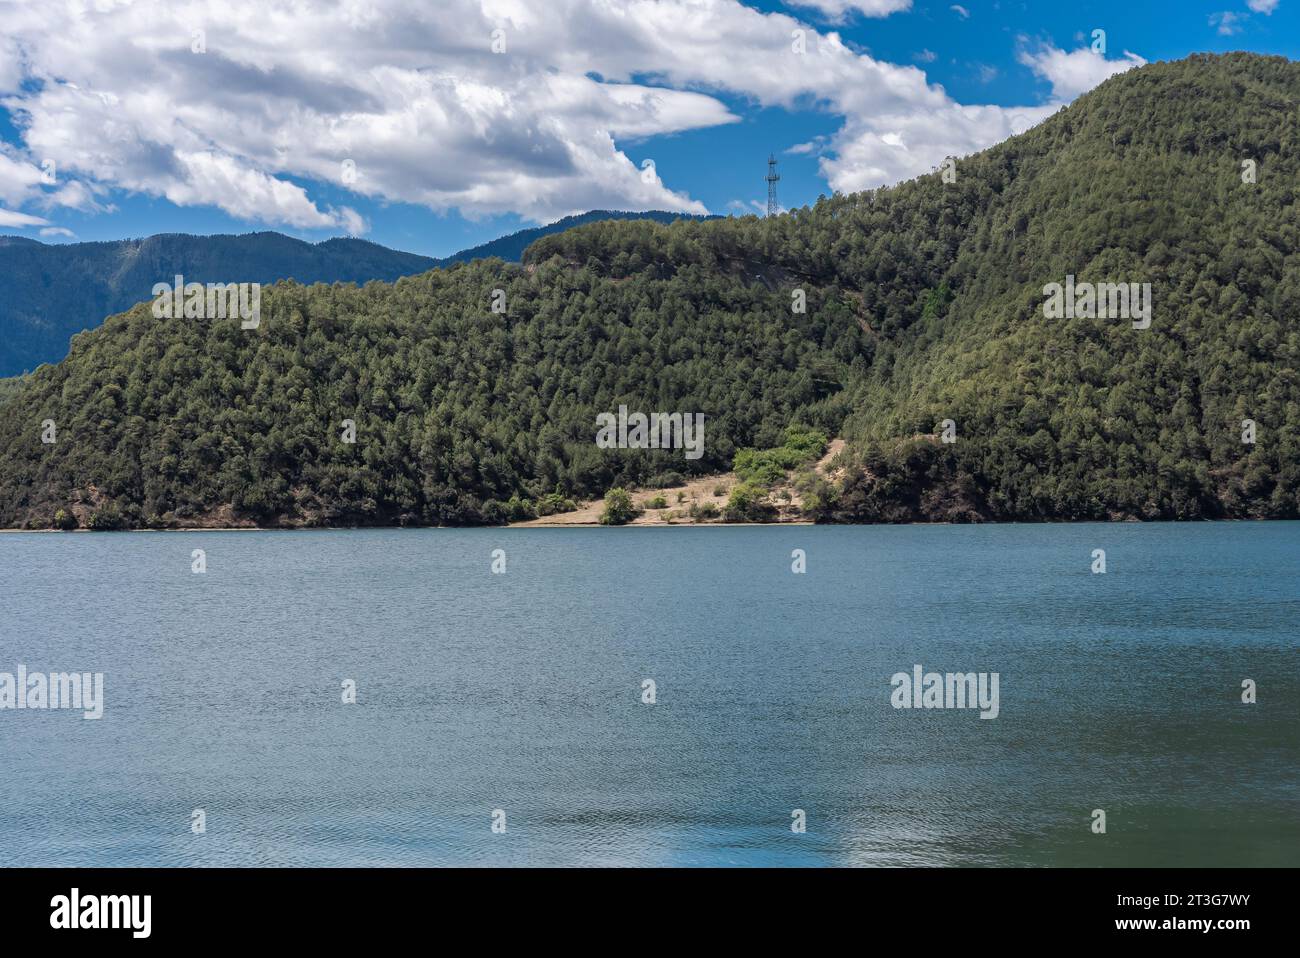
column 512, row 246
column 48, row 293
column 925, row 303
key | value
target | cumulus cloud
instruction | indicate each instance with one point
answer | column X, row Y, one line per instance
column 1265, row 7
column 870, row 152
column 838, row 10
column 535, row 107
column 20, row 180
column 1075, row 72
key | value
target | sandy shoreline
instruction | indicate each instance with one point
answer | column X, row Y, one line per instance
column 712, row 490
column 514, row 525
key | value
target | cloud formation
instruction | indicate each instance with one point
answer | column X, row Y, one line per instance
column 839, row 10
column 1076, row 72
column 276, row 112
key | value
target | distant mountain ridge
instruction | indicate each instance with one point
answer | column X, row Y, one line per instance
column 51, row 292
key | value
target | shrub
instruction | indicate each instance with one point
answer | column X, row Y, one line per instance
column 104, row 520
column 63, row 519
column 519, row 509
column 666, row 480
column 720, row 490
column 554, row 502
column 658, row 502
column 769, row 466
column 618, row 508
column 704, row 510
column 759, row 466
column 808, row 443
column 748, row 503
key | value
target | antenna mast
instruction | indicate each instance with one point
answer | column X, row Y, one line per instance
column 772, row 177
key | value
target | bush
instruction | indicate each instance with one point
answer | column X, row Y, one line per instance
column 762, row 466
column 720, row 490
column 748, row 503
column 704, row 510
column 104, row 520
column 518, row 509
column 618, row 508
column 769, row 466
column 554, row 502
column 63, row 519
column 658, row 502
column 818, row 495
column 665, row 480
column 808, row 443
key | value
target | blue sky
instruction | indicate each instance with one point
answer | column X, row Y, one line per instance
column 456, row 143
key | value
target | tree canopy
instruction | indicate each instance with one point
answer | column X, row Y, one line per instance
column 923, row 304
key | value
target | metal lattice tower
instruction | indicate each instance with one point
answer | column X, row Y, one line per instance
column 772, row 177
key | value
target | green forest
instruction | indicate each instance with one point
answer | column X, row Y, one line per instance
column 923, row 302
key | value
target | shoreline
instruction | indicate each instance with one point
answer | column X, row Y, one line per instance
column 803, row 523
column 513, row 525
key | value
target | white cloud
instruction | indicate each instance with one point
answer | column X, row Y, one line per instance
column 58, row 231
column 19, row 179
column 960, row 11
column 1265, row 7
column 838, row 10
column 15, row 219
column 1076, row 72
column 412, row 95
column 870, row 152
column 1227, row 22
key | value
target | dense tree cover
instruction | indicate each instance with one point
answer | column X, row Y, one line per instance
column 48, row 293
column 1139, row 181
column 512, row 246
column 10, row 387
column 457, row 409
column 923, row 304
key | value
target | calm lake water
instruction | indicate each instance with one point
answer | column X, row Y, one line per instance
column 522, row 692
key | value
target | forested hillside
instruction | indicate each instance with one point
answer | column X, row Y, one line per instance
column 511, row 247
column 48, row 293
column 924, row 303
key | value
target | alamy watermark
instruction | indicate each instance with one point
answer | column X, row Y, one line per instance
column 55, row 690
column 214, row 301
column 947, row 690
column 1098, row 301
column 75, row 910
column 659, row 430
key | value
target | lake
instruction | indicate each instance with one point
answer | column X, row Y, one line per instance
column 518, row 697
